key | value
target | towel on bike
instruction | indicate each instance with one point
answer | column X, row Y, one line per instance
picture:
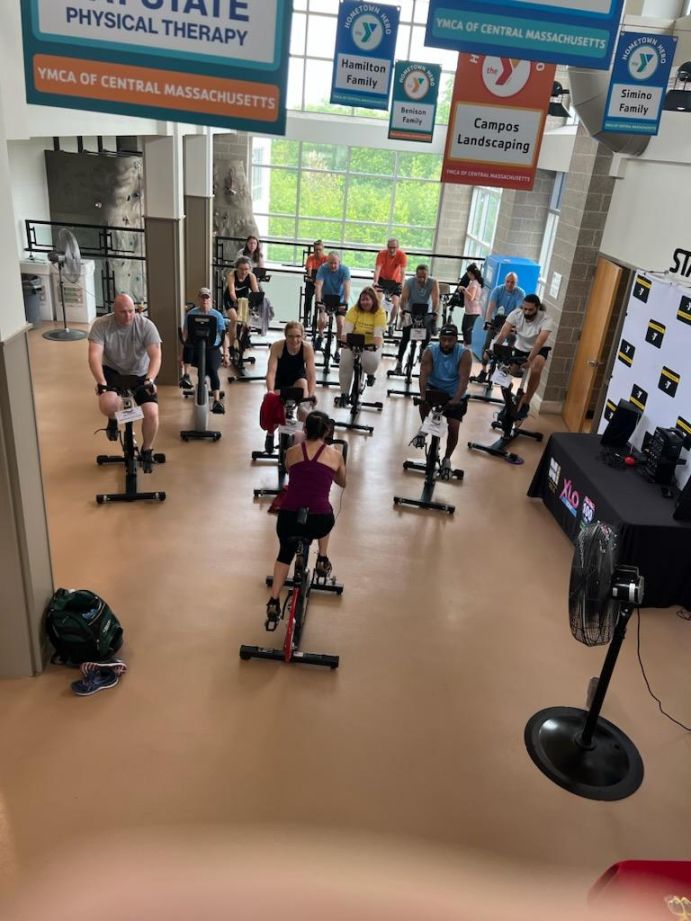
column 272, row 412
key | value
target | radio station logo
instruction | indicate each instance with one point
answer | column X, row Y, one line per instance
column 638, row 397
column 641, row 288
column 669, row 381
column 587, row 512
column 684, row 312
column 626, row 353
column 655, row 333
column 570, row 497
column 553, row 474
column 610, row 408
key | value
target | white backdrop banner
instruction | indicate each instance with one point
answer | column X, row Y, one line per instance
column 653, row 365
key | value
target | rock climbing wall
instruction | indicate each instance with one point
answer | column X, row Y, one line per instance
column 104, row 189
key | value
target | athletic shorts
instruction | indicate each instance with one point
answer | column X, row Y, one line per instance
column 139, row 391
column 390, row 286
column 287, row 528
column 522, row 356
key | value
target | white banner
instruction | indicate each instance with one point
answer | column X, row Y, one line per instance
column 652, row 368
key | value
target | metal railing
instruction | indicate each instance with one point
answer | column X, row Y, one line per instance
column 102, row 243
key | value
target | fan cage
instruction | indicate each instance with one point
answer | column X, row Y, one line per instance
column 592, row 610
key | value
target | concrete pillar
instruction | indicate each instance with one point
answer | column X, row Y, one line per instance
column 522, row 218
column 26, row 581
column 199, row 203
column 452, row 226
column 585, row 203
column 164, row 227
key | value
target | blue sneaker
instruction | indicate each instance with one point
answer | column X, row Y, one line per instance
column 116, row 666
column 94, row 682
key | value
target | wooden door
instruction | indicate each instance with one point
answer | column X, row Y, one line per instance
column 591, row 346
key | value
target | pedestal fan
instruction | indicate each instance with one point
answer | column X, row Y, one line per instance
column 67, row 258
column 579, row 749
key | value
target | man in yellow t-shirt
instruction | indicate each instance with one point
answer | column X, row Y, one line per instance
column 367, row 318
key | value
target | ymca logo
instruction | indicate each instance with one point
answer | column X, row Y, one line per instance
column 553, row 474
column 644, row 62
column 570, row 498
column 367, row 32
column 505, row 76
column 416, row 85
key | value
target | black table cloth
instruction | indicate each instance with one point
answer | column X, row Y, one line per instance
column 578, row 487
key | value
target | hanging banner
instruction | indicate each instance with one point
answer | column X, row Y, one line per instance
column 576, row 32
column 202, row 61
column 364, row 55
column 496, row 121
column 414, row 105
column 642, row 64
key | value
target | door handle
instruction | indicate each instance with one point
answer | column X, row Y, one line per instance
column 593, row 363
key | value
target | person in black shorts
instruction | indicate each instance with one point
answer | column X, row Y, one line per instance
column 125, row 342
column 532, row 328
column 291, row 364
column 239, row 283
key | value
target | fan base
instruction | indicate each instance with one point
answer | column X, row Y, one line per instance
column 610, row 769
column 64, row 335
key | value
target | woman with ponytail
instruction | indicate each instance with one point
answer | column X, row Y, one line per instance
column 313, row 465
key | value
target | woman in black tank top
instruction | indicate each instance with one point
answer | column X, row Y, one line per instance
column 291, row 364
column 239, row 283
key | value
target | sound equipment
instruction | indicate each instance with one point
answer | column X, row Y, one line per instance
column 662, row 455
column 682, row 510
column 621, row 426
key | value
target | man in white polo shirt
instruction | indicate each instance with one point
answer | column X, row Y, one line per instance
column 532, row 328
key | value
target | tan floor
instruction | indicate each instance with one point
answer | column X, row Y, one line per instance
column 451, row 633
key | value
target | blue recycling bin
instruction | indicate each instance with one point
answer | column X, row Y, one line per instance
column 494, row 271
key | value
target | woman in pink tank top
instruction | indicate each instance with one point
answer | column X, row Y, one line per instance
column 313, row 466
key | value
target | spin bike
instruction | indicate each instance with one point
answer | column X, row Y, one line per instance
column 493, row 325
column 302, row 584
column 242, row 337
column 332, row 303
column 356, row 343
column 435, row 425
column 131, row 456
column 291, row 398
column 200, row 331
column 415, row 320
column 506, row 418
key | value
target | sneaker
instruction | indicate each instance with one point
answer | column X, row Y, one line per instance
column 337, row 358
column 445, row 469
column 522, row 413
column 185, row 382
column 112, row 430
column 371, row 380
column 323, row 567
column 398, row 369
column 218, row 408
column 482, row 377
column 273, row 614
column 317, row 344
column 113, row 666
column 342, row 401
column 147, row 459
column 419, row 440
column 96, row 681
column 269, row 443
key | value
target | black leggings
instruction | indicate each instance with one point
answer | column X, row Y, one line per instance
column 430, row 324
column 467, row 325
column 213, row 363
column 287, row 528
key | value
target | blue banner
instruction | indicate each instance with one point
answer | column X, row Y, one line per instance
column 414, row 105
column 364, row 55
column 642, row 65
column 202, row 61
column 576, row 32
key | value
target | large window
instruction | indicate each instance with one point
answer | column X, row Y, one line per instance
column 482, row 223
column 550, row 234
column 345, row 195
column 312, row 44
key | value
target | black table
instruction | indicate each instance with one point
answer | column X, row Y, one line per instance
column 578, row 487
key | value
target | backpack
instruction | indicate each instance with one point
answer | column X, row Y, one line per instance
column 81, row 627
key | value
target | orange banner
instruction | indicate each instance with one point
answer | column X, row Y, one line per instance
column 496, row 122
column 156, row 88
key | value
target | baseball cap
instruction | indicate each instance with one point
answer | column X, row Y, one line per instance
column 204, row 292
column 449, row 329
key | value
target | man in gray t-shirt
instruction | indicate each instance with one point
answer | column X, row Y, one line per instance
column 126, row 343
column 420, row 289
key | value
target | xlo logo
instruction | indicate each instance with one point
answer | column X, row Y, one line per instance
column 570, row 497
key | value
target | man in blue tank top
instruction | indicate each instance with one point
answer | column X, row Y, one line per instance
column 446, row 366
